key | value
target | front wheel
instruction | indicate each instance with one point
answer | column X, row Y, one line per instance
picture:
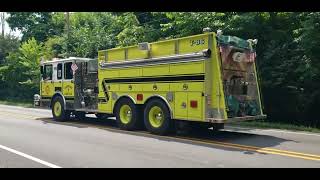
column 80, row 115
column 157, row 118
column 58, row 110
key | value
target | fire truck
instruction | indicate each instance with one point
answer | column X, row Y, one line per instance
column 206, row 79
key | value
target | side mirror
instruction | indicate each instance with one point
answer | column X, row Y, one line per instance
column 96, row 90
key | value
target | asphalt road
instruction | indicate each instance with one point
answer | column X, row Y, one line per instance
column 30, row 138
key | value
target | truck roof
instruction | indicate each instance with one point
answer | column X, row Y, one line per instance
column 67, row 59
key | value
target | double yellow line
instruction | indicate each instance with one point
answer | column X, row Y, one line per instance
column 193, row 140
column 258, row 149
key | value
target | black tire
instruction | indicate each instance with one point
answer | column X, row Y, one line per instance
column 80, row 115
column 199, row 127
column 102, row 116
column 218, row 127
column 167, row 125
column 64, row 115
column 134, row 122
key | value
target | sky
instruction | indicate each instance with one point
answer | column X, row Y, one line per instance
column 7, row 29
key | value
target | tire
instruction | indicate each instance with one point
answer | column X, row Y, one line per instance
column 128, row 115
column 80, row 115
column 199, row 127
column 58, row 110
column 157, row 118
column 102, row 116
column 217, row 127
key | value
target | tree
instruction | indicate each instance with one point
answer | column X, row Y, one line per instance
column 310, row 46
column 21, row 71
column 53, row 48
column 39, row 25
column 7, row 44
column 89, row 33
column 190, row 23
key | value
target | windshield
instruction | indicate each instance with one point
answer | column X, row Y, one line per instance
column 93, row 66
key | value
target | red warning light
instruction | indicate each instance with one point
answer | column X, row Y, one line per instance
column 194, row 104
column 139, row 97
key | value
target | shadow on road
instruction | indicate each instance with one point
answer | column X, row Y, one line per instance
column 239, row 138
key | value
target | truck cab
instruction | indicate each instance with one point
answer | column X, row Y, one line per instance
column 69, row 85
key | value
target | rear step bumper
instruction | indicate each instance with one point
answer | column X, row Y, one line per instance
column 236, row 119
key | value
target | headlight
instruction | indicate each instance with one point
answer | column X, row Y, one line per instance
column 37, row 97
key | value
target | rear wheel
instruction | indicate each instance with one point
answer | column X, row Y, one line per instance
column 80, row 115
column 199, row 127
column 58, row 110
column 127, row 115
column 217, row 127
column 157, row 118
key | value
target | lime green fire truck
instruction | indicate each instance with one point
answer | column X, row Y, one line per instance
column 206, row 79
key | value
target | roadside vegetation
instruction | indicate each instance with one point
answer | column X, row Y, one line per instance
column 268, row 124
column 288, row 50
column 14, row 102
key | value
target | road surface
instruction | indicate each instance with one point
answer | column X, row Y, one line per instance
column 30, row 138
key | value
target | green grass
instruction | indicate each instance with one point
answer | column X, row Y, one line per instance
column 13, row 102
column 276, row 125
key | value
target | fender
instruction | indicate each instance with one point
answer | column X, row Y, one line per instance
column 132, row 99
column 123, row 96
column 58, row 93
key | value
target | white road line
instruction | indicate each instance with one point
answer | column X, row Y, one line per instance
column 29, row 157
column 271, row 130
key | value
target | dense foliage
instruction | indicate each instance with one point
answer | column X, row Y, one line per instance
column 288, row 49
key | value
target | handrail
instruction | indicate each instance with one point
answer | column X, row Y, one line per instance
column 168, row 59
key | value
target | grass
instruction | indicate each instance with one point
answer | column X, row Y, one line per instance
column 14, row 102
column 276, row 125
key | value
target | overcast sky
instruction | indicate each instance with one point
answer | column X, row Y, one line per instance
column 7, row 29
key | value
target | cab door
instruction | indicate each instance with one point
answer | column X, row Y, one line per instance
column 47, row 85
column 68, row 80
column 57, row 77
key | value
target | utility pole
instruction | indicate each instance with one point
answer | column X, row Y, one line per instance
column 67, row 28
column 3, row 20
column 67, row 23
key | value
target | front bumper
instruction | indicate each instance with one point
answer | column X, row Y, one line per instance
column 236, row 119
